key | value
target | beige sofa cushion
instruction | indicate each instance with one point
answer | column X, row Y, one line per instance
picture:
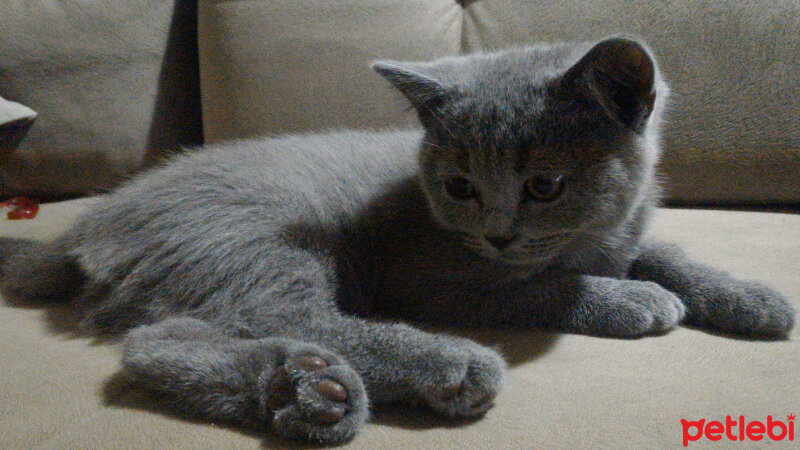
column 110, row 80
column 563, row 391
column 284, row 66
column 732, row 135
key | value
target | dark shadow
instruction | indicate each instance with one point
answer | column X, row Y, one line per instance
column 47, row 177
column 177, row 115
column 517, row 346
column 786, row 208
column 122, row 391
column 737, row 337
column 416, row 417
column 61, row 319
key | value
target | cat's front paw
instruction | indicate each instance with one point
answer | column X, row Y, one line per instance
column 743, row 307
column 466, row 380
column 637, row 308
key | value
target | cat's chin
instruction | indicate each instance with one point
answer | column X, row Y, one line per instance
column 530, row 255
column 524, row 261
column 519, row 259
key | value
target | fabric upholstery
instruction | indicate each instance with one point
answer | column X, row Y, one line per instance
column 732, row 133
column 285, row 66
column 563, row 391
column 111, row 81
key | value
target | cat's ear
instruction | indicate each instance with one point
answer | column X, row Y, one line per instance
column 620, row 73
column 418, row 82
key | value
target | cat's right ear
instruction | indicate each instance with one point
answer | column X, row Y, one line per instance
column 620, row 73
column 418, row 82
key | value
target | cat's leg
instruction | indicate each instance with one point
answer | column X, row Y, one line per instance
column 598, row 306
column 714, row 299
column 304, row 391
column 400, row 363
column 565, row 302
column 619, row 308
column 397, row 362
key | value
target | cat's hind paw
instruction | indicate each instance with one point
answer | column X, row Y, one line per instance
column 467, row 382
column 314, row 395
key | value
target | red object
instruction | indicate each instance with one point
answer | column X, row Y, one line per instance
column 21, row 208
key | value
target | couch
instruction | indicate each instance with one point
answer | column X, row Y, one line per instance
column 115, row 86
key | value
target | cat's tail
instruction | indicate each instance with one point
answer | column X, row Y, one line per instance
column 34, row 272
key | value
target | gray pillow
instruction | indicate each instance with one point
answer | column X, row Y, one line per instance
column 15, row 120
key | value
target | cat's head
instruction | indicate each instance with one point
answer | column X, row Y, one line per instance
column 526, row 149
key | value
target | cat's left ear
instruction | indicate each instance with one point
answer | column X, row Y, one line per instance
column 621, row 74
column 419, row 82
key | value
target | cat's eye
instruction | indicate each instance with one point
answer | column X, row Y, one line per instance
column 460, row 188
column 545, row 188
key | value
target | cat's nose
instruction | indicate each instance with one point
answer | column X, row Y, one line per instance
column 500, row 242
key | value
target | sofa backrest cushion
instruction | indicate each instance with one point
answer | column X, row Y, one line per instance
column 282, row 66
column 731, row 135
column 732, row 132
column 114, row 83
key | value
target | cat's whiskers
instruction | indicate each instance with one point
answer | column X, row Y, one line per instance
column 546, row 241
column 479, row 245
column 476, row 244
column 616, row 258
column 424, row 142
column 580, row 257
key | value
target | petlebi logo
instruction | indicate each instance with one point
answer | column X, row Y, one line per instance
column 738, row 429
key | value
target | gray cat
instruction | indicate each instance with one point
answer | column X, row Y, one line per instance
column 243, row 276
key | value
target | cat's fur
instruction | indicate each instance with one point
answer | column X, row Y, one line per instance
column 243, row 275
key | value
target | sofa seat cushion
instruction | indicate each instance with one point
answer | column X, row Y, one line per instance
column 563, row 391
